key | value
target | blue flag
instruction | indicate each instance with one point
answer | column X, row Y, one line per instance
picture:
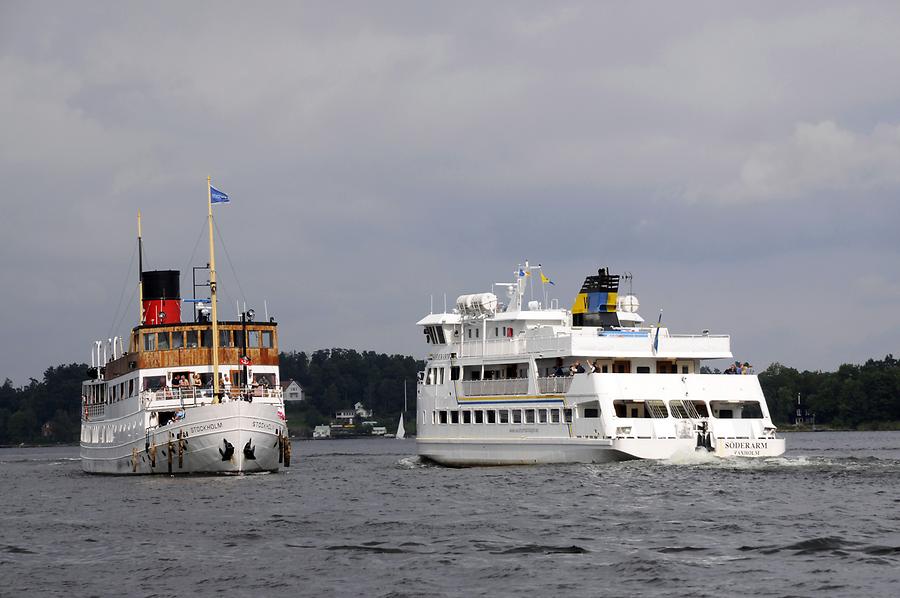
column 216, row 196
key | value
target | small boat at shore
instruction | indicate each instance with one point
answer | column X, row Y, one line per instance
column 517, row 383
column 201, row 396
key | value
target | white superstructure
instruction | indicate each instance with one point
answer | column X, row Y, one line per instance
column 519, row 383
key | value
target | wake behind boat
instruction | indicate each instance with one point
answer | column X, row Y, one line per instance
column 185, row 397
column 517, row 384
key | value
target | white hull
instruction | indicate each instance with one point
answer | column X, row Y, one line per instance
column 464, row 453
column 204, row 433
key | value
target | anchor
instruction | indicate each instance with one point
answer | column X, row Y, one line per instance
column 249, row 451
column 228, row 453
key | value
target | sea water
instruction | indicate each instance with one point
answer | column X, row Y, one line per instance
column 368, row 517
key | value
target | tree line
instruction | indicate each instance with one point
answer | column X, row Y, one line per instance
column 335, row 379
column 863, row 396
column 49, row 410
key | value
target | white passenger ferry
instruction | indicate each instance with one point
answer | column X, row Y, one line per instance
column 520, row 383
column 200, row 396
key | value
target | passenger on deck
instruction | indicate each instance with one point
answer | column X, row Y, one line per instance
column 559, row 372
column 576, row 368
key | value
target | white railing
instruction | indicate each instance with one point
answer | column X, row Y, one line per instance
column 584, row 341
column 509, row 386
column 94, row 411
column 191, row 396
column 688, row 344
column 554, row 385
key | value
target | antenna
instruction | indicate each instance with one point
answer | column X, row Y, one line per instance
column 628, row 276
column 266, row 309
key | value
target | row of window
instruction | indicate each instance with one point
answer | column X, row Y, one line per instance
column 506, row 416
column 624, row 409
column 108, row 393
column 435, row 334
column 436, row 375
column 191, row 339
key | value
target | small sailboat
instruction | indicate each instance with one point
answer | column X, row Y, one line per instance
column 401, row 431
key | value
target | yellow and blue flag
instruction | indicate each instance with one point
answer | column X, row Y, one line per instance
column 546, row 280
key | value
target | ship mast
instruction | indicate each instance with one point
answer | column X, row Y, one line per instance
column 212, row 293
column 140, row 274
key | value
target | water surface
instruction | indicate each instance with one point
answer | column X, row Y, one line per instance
column 367, row 517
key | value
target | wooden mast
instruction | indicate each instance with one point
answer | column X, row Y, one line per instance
column 212, row 293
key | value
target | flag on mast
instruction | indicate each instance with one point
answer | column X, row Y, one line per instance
column 656, row 339
column 216, row 196
column 546, row 280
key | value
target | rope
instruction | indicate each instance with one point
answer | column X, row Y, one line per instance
column 122, row 294
column 230, row 263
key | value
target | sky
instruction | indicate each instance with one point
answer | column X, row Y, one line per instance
column 741, row 160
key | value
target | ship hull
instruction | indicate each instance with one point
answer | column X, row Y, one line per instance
column 468, row 453
column 230, row 438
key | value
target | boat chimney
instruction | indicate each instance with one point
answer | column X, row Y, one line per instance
column 162, row 297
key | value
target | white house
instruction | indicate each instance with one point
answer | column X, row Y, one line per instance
column 292, row 391
column 345, row 416
column 362, row 411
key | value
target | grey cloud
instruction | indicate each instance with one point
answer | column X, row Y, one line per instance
column 381, row 153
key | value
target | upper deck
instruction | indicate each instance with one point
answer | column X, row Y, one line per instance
column 600, row 325
column 561, row 341
column 189, row 344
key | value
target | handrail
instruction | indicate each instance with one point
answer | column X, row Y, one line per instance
column 191, row 396
column 554, row 384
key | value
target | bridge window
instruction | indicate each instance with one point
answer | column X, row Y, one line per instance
column 206, row 338
column 162, row 340
column 267, row 339
column 149, row 341
column 225, row 338
column 191, row 339
column 542, row 416
column 529, row 416
column 177, row 339
column 253, row 338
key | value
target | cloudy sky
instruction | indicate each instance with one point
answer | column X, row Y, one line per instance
column 741, row 160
